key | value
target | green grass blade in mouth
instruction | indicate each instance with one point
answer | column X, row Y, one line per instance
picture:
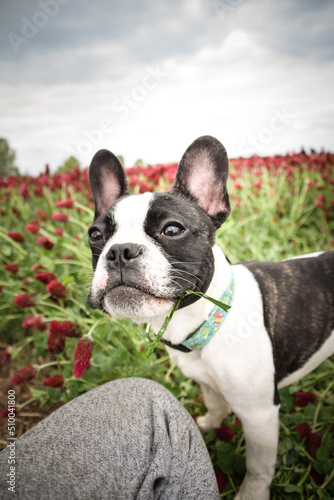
column 217, row 303
column 165, row 324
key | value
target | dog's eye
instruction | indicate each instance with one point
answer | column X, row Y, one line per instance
column 96, row 235
column 173, row 230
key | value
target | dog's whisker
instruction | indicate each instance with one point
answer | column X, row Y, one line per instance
column 193, row 286
column 176, row 280
column 190, row 274
column 183, row 263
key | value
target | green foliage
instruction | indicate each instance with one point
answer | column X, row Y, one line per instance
column 121, row 159
column 139, row 162
column 7, row 159
column 280, row 220
column 68, row 165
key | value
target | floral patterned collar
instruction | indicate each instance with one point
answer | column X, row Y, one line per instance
column 200, row 337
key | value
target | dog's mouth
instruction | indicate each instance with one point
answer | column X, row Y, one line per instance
column 122, row 292
column 124, row 297
column 136, row 303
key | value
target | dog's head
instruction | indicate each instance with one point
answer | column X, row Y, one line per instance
column 147, row 249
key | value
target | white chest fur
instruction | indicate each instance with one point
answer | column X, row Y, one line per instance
column 233, row 357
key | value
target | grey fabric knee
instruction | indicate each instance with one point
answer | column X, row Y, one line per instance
column 127, row 439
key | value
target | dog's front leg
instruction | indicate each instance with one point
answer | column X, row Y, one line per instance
column 260, row 428
column 217, row 407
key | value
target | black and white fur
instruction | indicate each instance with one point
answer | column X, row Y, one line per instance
column 149, row 248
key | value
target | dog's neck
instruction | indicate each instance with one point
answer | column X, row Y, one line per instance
column 188, row 319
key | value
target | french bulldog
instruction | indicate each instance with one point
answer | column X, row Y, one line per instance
column 148, row 249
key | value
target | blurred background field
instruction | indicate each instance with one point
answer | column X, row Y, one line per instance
column 54, row 347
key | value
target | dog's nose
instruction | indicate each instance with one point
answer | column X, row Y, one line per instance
column 124, row 252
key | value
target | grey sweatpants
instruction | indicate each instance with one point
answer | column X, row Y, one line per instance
column 127, row 439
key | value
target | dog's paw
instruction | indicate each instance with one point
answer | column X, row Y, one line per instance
column 212, row 419
column 208, row 422
column 250, row 496
column 252, row 490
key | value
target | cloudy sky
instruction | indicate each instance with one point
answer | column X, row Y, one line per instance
column 145, row 78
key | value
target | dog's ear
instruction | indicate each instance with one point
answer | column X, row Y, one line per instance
column 107, row 180
column 202, row 174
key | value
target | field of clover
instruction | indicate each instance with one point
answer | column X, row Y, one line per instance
column 59, row 348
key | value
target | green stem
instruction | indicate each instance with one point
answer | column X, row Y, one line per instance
column 89, row 384
column 323, row 396
column 169, row 372
column 89, row 334
column 21, row 345
column 305, row 476
column 286, row 430
column 53, row 363
column 79, row 223
column 51, row 305
column 86, row 209
column 26, row 403
column 161, row 360
column 328, row 480
column 165, row 324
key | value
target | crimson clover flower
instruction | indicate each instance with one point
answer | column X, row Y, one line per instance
column 59, row 232
column 56, row 340
column 37, row 267
column 44, row 277
column 23, row 375
column 24, row 300
column 237, row 422
column 221, row 478
column 59, row 217
column 34, row 322
column 45, row 242
column 82, row 355
column 304, row 398
column 67, row 257
column 16, row 236
column 54, row 381
column 224, row 433
column 41, row 214
column 6, row 412
column 24, row 192
column 313, row 443
column 66, row 328
column 70, row 329
column 32, row 228
column 317, row 478
column 11, row 268
column 6, row 356
column 65, row 203
column 304, row 429
column 258, row 184
column 56, row 289
column 144, row 188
